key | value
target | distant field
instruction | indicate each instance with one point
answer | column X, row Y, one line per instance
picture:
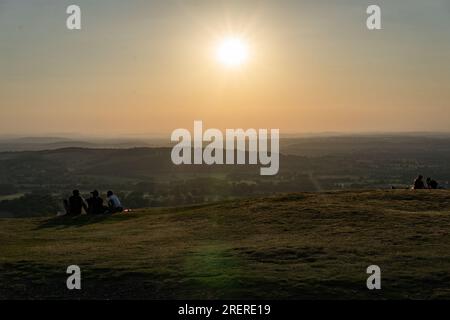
column 295, row 246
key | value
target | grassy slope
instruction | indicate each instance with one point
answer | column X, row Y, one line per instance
column 288, row 246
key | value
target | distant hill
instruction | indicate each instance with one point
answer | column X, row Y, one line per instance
column 33, row 183
column 126, row 163
column 289, row 246
column 339, row 162
column 52, row 143
column 408, row 146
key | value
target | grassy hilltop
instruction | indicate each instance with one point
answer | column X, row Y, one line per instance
column 296, row 246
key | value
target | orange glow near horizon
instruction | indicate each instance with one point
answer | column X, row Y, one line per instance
column 155, row 66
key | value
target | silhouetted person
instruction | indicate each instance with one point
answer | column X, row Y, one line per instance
column 114, row 204
column 95, row 204
column 75, row 204
column 418, row 183
column 432, row 184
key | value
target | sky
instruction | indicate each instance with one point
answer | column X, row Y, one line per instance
column 150, row 67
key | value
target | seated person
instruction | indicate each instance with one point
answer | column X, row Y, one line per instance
column 418, row 183
column 114, row 204
column 95, row 204
column 75, row 204
column 432, row 184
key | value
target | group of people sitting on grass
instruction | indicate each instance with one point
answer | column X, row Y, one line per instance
column 420, row 184
column 94, row 205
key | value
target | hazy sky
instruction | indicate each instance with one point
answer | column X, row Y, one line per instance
column 149, row 66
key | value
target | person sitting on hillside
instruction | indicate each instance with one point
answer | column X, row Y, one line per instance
column 114, row 204
column 432, row 184
column 95, row 204
column 418, row 183
column 75, row 204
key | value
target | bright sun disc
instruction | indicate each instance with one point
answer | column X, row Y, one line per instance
column 232, row 52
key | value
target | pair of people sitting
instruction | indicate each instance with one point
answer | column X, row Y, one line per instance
column 76, row 204
column 420, row 184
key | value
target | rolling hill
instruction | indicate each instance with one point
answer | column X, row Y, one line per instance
column 288, row 246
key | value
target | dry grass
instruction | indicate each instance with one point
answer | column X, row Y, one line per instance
column 296, row 246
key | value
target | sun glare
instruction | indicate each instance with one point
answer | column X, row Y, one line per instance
column 232, row 52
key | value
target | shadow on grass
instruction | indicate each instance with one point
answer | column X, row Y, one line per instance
column 81, row 221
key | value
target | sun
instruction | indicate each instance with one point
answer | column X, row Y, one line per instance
column 232, row 52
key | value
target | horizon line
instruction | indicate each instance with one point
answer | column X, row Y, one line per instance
column 158, row 136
